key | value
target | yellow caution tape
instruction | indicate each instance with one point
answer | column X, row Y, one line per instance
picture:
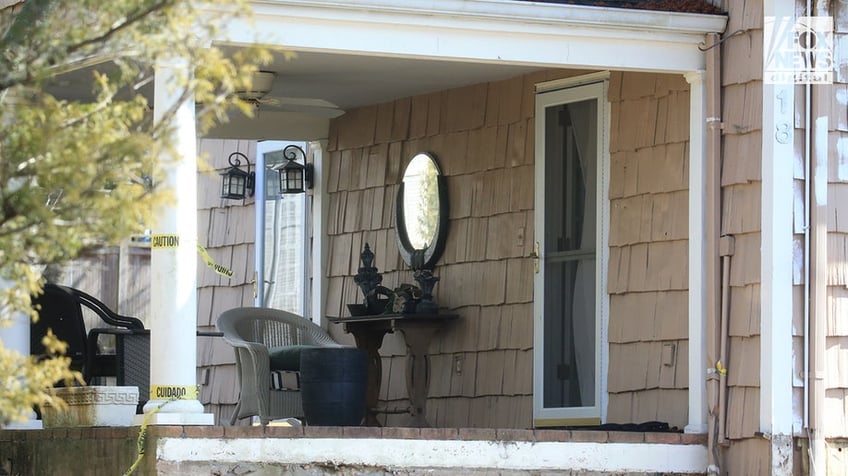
column 172, row 241
column 223, row 271
column 722, row 370
column 165, row 241
column 174, row 392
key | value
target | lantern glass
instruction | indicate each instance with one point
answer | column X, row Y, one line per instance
column 294, row 176
column 291, row 178
column 234, row 184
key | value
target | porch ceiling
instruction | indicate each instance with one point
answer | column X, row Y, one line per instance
column 305, row 88
column 360, row 52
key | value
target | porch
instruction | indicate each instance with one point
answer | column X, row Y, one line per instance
column 450, row 120
column 196, row 450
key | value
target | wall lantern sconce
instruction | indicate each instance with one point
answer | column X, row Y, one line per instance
column 295, row 177
column 237, row 184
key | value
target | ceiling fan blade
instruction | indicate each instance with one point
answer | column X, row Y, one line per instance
column 270, row 101
column 329, row 112
column 308, row 102
column 313, row 106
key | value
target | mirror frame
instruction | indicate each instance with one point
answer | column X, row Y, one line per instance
column 426, row 258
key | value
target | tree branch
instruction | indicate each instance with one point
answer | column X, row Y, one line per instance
column 31, row 13
column 34, row 11
column 130, row 20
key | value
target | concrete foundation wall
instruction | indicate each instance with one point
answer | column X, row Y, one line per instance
column 205, row 450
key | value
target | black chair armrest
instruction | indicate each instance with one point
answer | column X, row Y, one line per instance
column 108, row 316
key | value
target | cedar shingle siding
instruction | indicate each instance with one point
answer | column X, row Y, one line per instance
column 483, row 138
column 836, row 404
column 226, row 229
column 648, row 278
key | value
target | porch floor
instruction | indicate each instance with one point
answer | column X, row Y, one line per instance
column 195, row 450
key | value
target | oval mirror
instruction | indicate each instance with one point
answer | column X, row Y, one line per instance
column 421, row 213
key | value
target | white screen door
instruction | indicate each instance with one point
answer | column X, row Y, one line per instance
column 568, row 285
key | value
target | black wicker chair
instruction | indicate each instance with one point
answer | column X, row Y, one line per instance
column 60, row 308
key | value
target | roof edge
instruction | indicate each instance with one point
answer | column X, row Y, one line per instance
column 528, row 12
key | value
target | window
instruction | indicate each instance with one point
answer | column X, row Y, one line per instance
column 285, row 238
column 569, row 288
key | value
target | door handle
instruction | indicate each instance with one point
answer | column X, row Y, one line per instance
column 535, row 256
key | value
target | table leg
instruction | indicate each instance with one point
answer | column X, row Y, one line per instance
column 418, row 370
column 370, row 341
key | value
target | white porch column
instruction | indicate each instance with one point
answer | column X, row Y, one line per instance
column 697, row 257
column 173, row 265
column 16, row 338
column 776, row 366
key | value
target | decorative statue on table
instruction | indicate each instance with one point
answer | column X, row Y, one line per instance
column 368, row 279
column 427, row 282
column 405, row 299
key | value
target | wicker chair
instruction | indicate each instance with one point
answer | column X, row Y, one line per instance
column 60, row 308
column 252, row 332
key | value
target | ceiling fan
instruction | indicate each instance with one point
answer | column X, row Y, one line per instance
column 261, row 86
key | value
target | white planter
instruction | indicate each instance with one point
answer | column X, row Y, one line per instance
column 93, row 406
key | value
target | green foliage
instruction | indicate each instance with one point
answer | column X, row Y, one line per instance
column 83, row 168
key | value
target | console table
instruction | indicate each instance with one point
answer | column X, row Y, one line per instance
column 418, row 331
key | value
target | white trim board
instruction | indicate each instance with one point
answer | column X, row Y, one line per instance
column 776, row 267
column 487, row 31
column 697, row 253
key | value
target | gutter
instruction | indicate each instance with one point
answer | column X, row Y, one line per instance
column 715, row 426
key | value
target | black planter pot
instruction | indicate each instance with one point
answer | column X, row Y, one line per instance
column 333, row 382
